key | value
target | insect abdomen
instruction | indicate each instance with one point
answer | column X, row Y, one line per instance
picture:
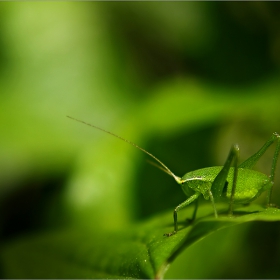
column 250, row 185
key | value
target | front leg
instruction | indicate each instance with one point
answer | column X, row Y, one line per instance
column 178, row 208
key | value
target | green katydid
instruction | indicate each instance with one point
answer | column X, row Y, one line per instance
column 236, row 185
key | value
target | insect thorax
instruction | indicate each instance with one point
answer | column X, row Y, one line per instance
column 200, row 181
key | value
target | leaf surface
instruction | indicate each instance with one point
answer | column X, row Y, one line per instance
column 138, row 251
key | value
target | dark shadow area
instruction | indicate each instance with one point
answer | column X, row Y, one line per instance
column 155, row 190
column 25, row 209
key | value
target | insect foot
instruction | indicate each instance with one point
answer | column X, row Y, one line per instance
column 190, row 220
column 170, row 233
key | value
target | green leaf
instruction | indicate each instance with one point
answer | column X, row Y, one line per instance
column 138, row 251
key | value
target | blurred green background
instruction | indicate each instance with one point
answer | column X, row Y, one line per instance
column 184, row 80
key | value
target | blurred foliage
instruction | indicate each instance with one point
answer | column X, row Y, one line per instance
column 184, row 80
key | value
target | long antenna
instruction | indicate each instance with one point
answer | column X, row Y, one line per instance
column 177, row 179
